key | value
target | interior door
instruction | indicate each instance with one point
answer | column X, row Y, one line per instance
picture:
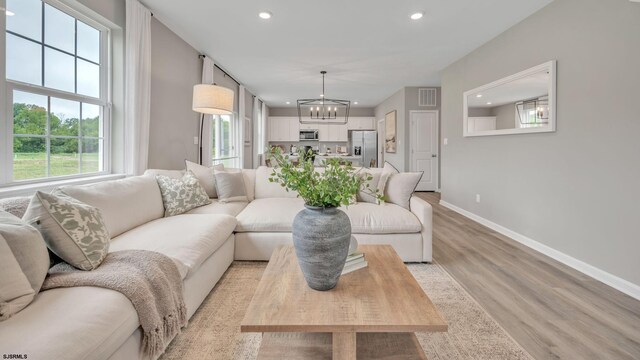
column 424, row 148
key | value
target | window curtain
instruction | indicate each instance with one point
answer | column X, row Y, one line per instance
column 137, row 87
column 263, row 138
column 257, row 132
column 240, row 136
column 207, row 119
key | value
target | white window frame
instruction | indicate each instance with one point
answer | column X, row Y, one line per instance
column 7, row 88
column 234, row 128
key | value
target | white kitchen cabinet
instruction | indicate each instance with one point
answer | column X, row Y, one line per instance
column 323, row 132
column 294, row 129
column 338, row 133
column 361, row 123
column 282, row 128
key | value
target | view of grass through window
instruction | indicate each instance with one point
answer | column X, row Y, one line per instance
column 55, row 137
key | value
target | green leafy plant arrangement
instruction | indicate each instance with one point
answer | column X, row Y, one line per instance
column 337, row 185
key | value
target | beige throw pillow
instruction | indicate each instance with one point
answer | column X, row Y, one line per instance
column 205, row 176
column 73, row 230
column 230, row 186
column 181, row 195
column 369, row 186
column 400, row 188
column 24, row 262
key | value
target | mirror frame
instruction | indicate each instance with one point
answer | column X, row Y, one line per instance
column 551, row 67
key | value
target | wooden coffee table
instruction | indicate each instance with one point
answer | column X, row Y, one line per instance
column 371, row 314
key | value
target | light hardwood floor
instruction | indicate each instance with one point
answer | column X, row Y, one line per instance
column 552, row 310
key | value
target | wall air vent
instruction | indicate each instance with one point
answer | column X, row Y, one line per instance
column 427, row 97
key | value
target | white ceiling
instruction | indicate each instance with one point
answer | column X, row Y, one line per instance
column 370, row 48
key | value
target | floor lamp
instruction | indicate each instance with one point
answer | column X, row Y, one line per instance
column 212, row 100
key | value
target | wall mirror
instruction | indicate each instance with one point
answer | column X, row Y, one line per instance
column 517, row 104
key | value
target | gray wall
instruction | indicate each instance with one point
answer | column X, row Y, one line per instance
column 395, row 102
column 505, row 116
column 175, row 68
column 575, row 190
column 403, row 101
column 293, row 111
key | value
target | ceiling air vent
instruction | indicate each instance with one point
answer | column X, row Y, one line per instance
column 427, row 97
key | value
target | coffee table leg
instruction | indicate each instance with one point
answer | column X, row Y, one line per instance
column 344, row 346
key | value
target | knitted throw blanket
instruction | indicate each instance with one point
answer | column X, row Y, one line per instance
column 150, row 280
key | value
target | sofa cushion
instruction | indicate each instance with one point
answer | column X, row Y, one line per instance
column 73, row 230
column 174, row 174
column 277, row 214
column 124, row 203
column 82, row 322
column 386, row 218
column 269, row 215
column 189, row 238
column 217, row 207
column 266, row 189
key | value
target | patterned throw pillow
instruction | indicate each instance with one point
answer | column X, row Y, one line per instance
column 181, row 195
column 73, row 230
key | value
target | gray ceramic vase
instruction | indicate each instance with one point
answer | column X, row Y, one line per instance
column 321, row 238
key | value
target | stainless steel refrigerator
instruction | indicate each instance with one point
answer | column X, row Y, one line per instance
column 364, row 144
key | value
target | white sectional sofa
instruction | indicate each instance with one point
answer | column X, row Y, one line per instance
column 96, row 323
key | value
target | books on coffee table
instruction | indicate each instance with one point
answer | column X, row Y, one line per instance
column 354, row 262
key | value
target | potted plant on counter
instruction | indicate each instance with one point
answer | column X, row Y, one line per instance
column 321, row 231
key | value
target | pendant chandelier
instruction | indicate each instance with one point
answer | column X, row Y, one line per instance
column 323, row 110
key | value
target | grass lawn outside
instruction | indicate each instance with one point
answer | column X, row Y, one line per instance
column 34, row 165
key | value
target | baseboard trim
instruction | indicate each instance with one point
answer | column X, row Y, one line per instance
column 615, row 282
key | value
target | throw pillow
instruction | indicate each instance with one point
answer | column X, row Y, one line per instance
column 206, row 176
column 369, row 186
column 73, row 230
column 230, row 186
column 24, row 261
column 181, row 195
column 400, row 188
column 387, row 171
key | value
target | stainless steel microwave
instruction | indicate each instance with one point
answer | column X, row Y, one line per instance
column 308, row 134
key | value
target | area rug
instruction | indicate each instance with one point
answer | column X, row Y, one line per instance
column 214, row 330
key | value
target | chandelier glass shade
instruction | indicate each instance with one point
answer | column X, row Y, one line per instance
column 323, row 110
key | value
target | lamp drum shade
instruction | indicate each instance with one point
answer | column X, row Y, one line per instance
column 212, row 99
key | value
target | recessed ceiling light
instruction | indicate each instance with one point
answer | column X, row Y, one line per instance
column 9, row 13
column 265, row 15
column 489, row 103
column 479, row 95
column 355, row 103
column 288, row 102
column 321, row 95
column 416, row 16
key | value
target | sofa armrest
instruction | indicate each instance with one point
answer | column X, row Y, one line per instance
column 423, row 211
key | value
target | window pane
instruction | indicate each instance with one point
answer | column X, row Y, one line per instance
column 29, row 113
column 64, row 117
column 88, row 79
column 27, row 18
column 88, row 42
column 29, row 158
column 91, row 155
column 24, row 60
column 64, row 157
column 59, row 70
column 91, row 122
column 59, row 29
